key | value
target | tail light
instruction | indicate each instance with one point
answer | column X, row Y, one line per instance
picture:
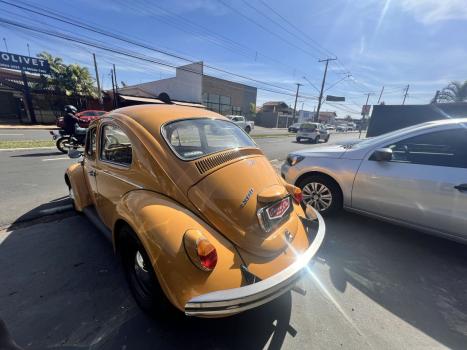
column 207, row 254
column 297, row 195
column 201, row 252
column 295, row 192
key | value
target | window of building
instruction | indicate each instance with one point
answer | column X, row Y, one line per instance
column 115, row 146
column 446, row 148
column 218, row 103
column 225, row 100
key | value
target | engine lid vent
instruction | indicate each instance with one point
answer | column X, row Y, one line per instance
column 216, row 160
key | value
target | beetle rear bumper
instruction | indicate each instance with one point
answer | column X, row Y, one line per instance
column 232, row 301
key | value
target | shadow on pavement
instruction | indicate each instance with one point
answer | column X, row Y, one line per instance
column 62, row 288
column 420, row 278
column 53, row 206
column 40, row 154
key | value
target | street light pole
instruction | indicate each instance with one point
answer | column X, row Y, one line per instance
column 322, row 86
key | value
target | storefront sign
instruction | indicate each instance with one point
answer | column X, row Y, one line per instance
column 25, row 63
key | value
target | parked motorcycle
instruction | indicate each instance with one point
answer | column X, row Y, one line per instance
column 65, row 141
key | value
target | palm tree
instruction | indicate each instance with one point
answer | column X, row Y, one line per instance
column 70, row 79
column 454, row 92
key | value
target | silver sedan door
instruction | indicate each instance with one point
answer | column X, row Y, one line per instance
column 425, row 183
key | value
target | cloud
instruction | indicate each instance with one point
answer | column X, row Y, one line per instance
column 432, row 11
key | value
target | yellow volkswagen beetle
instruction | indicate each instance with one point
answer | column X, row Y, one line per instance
column 194, row 210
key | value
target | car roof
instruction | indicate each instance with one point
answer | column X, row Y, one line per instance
column 153, row 116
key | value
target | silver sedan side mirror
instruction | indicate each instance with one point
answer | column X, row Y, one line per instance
column 382, row 155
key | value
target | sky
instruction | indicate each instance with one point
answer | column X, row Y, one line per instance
column 276, row 44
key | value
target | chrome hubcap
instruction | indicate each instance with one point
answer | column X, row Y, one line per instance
column 318, row 195
column 141, row 272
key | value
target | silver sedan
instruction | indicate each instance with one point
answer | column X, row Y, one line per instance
column 416, row 177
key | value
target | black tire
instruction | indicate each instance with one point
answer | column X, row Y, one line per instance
column 63, row 144
column 316, row 140
column 141, row 277
column 327, row 138
column 248, row 129
column 298, row 139
column 333, row 188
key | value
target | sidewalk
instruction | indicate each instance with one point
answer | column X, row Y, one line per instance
column 28, row 127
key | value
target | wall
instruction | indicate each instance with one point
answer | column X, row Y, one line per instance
column 185, row 86
column 386, row 118
column 240, row 95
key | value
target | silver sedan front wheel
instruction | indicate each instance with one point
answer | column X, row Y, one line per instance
column 318, row 195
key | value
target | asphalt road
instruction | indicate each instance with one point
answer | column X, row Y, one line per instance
column 33, row 179
column 373, row 286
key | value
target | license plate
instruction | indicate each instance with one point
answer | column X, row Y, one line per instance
column 276, row 211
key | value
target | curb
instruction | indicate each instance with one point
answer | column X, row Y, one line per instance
column 24, row 148
column 51, row 127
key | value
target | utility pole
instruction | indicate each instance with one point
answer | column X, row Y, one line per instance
column 29, row 50
column 322, row 86
column 294, row 107
column 113, row 88
column 99, row 92
column 380, row 94
column 116, row 86
column 6, row 46
column 406, row 93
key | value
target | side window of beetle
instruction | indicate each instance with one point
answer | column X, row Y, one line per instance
column 115, row 146
column 91, row 143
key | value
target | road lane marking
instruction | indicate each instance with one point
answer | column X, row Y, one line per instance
column 11, row 134
column 59, row 158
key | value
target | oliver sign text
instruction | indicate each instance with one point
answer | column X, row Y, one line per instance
column 28, row 64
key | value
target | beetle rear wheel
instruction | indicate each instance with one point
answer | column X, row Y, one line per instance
column 141, row 277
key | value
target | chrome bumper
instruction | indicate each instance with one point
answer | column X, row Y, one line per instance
column 232, row 301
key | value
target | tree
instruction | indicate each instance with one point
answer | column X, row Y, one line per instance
column 71, row 79
column 348, row 118
column 454, row 92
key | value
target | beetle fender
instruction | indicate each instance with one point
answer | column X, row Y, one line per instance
column 160, row 224
column 75, row 175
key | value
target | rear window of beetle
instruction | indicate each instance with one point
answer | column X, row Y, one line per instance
column 194, row 138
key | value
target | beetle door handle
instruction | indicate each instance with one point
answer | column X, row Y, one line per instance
column 461, row 187
column 92, row 173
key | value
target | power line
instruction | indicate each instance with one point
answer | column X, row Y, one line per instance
column 142, row 45
column 118, row 51
column 249, row 19
column 262, row 13
column 325, row 51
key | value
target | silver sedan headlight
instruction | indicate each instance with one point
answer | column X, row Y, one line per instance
column 293, row 159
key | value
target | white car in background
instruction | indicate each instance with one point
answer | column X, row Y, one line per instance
column 313, row 132
column 242, row 122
